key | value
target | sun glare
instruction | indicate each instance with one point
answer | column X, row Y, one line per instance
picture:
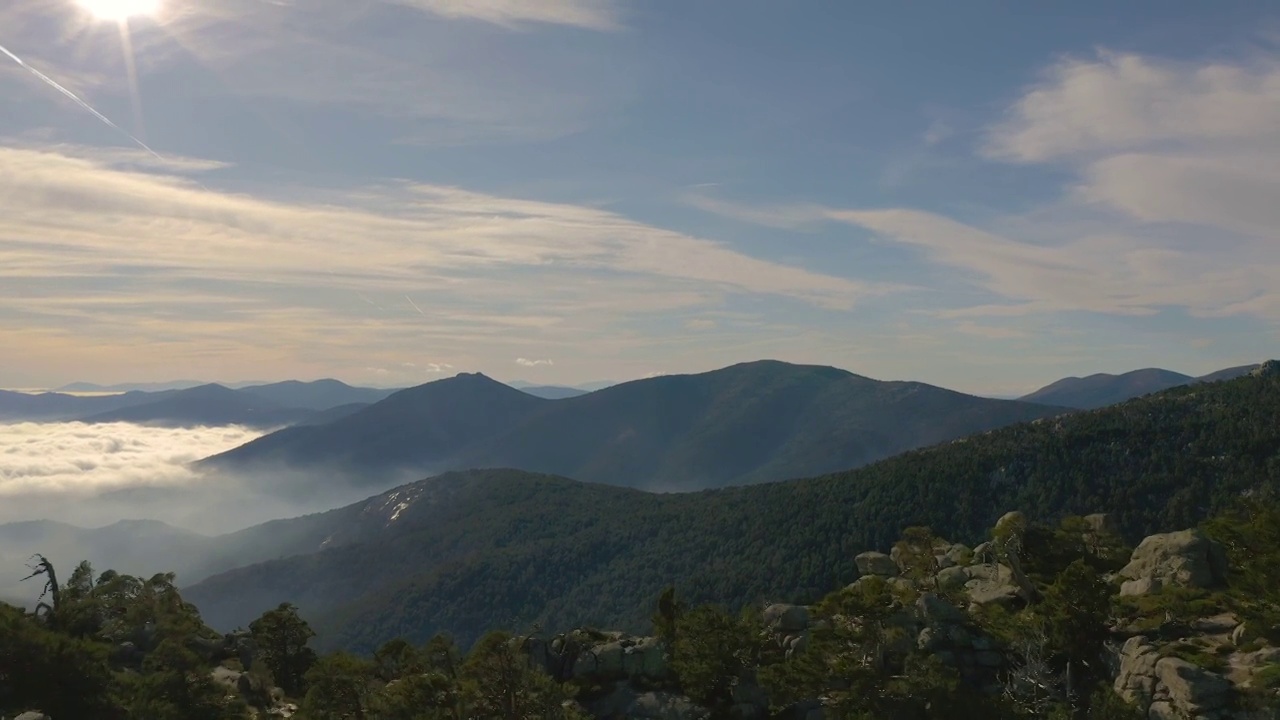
column 120, row 10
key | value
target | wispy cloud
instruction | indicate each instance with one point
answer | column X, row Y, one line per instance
column 98, row 250
column 1164, row 152
column 525, row 362
column 589, row 14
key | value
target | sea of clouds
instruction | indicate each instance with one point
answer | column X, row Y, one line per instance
column 76, row 460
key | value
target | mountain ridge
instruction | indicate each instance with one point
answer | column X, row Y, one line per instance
column 749, row 422
column 526, row 547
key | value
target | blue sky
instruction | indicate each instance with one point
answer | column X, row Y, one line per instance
column 981, row 195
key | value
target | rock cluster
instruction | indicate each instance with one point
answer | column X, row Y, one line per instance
column 1180, row 559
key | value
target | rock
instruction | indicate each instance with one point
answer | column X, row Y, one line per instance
column 32, row 715
column 1239, row 634
column 958, row 554
column 786, row 618
column 1013, row 521
column 1191, row 691
column 876, row 563
column 1136, row 682
column 1217, row 625
column 1269, row 368
column 226, row 676
column 1102, row 524
column 989, row 584
column 621, row 659
column 983, row 552
column 934, row 610
column 626, row 702
column 1182, row 559
column 253, row 690
column 952, row 578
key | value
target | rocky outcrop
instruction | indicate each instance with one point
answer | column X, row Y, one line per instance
column 876, row 563
column 1179, row 559
column 627, row 702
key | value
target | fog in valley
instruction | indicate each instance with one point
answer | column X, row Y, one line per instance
column 115, row 480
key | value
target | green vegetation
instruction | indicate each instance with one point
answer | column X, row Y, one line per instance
column 122, row 648
column 528, row 548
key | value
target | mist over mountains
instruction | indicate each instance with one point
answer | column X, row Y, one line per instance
column 747, row 423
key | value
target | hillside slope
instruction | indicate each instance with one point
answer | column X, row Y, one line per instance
column 205, row 405
column 747, row 423
column 508, row 548
column 1102, row 389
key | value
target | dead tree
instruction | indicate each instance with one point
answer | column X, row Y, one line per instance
column 51, row 587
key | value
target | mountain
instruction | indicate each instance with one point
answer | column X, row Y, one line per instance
column 552, row 392
column 85, row 387
column 204, row 405
column 747, row 423
column 54, row 407
column 1101, row 389
column 144, row 547
column 413, row 428
column 465, row 552
column 1227, row 374
column 316, row 395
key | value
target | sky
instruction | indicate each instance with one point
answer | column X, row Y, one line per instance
column 982, row 195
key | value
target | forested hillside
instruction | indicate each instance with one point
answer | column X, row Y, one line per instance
column 1038, row 621
column 515, row 548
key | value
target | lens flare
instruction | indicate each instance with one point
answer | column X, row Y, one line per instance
column 119, row 10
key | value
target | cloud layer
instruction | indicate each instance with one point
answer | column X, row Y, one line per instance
column 76, row 460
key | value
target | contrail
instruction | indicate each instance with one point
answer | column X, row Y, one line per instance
column 362, row 297
column 415, row 306
column 74, row 98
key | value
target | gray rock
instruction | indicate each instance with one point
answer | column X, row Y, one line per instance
column 1191, row 690
column 1102, row 524
column 980, row 550
column 991, row 584
column 1217, row 625
column 32, row 715
column 952, row 578
column 876, row 563
column 1136, row 682
column 786, row 618
column 1014, row 520
column 934, row 610
column 621, row 659
column 626, row 702
column 1182, row 559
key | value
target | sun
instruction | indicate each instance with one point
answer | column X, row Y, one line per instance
column 120, row 10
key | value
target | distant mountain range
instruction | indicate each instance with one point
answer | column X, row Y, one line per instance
column 263, row 406
column 465, row 551
column 1101, row 390
column 748, row 423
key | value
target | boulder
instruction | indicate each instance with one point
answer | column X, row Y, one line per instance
column 1189, row 690
column 32, row 715
column 622, row 659
column 876, row 563
column 1181, row 559
column 1136, row 681
column 989, row 584
column 1102, row 524
column 1014, row 521
column 952, row 578
column 626, row 702
column 786, row 618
